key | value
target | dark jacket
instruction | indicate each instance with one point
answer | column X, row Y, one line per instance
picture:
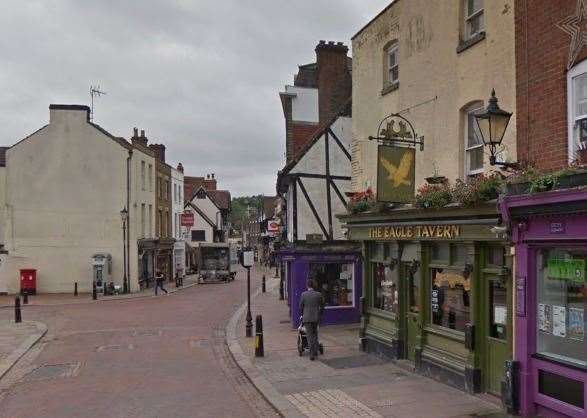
column 311, row 306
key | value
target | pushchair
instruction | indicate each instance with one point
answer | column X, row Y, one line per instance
column 303, row 340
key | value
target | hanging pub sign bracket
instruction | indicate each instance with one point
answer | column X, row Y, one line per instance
column 397, row 130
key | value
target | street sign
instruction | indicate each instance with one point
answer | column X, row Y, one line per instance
column 272, row 226
column 187, row 219
column 248, row 259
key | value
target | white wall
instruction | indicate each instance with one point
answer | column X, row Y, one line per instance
column 209, row 208
column 65, row 188
column 199, row 224
column 2, row 202
column 304, row 104
column 177, row 202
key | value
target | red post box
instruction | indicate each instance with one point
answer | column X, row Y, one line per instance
column 28, row 281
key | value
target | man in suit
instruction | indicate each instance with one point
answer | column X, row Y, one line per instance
column 311, row 306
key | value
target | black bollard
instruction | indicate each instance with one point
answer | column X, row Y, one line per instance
column 281, row 290
column 75, row 289
column 25, row 298
column 263, row 287
column 94, row 291
column 17, row 312
column 259, row 348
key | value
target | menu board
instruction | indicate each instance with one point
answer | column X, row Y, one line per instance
column 576, row 328
column 545, row 318
column 559, row 321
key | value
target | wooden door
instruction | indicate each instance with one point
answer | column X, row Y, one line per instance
column 497, row 330
column 412, row 288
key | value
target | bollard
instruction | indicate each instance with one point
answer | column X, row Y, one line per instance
column 75, row 289
column 94, row 291
column 263, row 287
column 25, row 298
column 259, row 348
column 17, row 313
column 281, row 290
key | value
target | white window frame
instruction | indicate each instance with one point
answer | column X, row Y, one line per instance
column 393, row 49
column 468, row 18
column 143, row 175
column 475, row 107
column 576, row 71
column 150, row 221
column 143, row 210
column 150, row 177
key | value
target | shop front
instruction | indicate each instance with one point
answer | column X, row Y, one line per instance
column 336, row 270
column 437, row 292
column 549, row 231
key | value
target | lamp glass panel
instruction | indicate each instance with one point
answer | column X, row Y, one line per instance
column 498, row 127
column 484, row 129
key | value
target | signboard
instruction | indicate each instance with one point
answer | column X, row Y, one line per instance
column 558, row 227
column 248, row 258
column 521, row 295
column 415, row 231
column 272, row 226
column 566, row 269
column 396, row 171
column 187, row 219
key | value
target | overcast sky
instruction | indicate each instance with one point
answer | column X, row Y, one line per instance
column 200, row 76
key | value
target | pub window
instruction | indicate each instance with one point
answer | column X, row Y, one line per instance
column 560, row 306
column 335, row 281
column 496, row 256
column 473, row 142
column 441, row 251
column 450, row 298
column 385, row 288
column 459, row 254
column 473, row 18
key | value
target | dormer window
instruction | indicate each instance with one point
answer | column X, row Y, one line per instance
column 201, row 194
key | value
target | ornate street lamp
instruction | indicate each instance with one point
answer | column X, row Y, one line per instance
column 124, row 217
column 492, row 124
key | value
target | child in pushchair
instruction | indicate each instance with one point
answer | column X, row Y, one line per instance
column 303, row 340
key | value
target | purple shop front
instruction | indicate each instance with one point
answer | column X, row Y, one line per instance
column 338, row 276
column 549, row 231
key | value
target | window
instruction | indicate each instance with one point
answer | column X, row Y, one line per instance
column 198, row 235
column 385, row 288
column 335, row 281
column 160, row 229
column 561, row 295
column 142, row 175
column 449, row 298
column 473, row 142
column 474, row 21
column 175, row 193
column 159, row 187
column 391, row 65
column 577, row 109
column 143, row 220
column 167, row 190
column 150, row 221
column 150, row 177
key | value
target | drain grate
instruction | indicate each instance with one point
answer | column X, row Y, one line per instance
column 353, row 361
column 53, row 371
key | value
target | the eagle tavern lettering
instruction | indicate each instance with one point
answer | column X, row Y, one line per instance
column 418, row 231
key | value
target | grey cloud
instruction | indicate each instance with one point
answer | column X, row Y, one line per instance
column 200, row 76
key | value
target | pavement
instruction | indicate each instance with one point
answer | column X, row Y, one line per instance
column 7, row 301
column 344, row 382
column 16, row 340
column 147, row 357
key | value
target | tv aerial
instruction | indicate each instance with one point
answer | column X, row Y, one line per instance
column 94, row 92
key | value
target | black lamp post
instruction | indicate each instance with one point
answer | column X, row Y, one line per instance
column 124, row 217
column 492, row 124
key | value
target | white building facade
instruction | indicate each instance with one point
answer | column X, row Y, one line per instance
column 177, row 200
column 65, row 187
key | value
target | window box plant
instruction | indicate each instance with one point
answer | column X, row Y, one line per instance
column 430, row 196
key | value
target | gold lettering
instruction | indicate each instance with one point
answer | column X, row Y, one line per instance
column 446, row 231
column 418, row 231
column 438, row 231
column 456, row 231
column 409, row 232
column 392, row 232
column 425, row 232
column 386, row 232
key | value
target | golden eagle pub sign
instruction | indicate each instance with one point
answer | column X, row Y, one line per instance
column 396, row 172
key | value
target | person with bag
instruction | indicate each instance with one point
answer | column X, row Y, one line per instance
column 159, row 282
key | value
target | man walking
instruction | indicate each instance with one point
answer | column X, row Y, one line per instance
column 159, row 282
column 311, row 306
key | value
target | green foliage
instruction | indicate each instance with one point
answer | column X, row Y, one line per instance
column 544, row 183
column 239, row 205
column 478, row 189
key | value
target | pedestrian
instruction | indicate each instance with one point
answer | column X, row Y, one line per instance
column 159, row 282
column 311, row 306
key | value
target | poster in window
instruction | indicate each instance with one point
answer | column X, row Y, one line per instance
column 576, row 328
column 545, row 318
column 559, row 321
column 500, row 313
column 434, row 301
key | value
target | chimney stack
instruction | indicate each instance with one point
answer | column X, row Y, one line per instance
column 212, row 175
column 159, row 150
column 180, row 168
column 334, row 78
column 136, row 139
column 135, row 133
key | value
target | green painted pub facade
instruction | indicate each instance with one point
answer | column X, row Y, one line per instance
column 437, row 292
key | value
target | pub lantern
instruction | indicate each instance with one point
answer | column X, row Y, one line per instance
column 492, row 124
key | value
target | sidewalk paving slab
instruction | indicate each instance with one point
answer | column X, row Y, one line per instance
column 16, row 340
column 343, row 382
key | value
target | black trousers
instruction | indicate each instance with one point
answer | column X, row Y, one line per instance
column 312, row 336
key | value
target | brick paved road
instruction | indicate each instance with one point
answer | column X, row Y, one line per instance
column 152, row 357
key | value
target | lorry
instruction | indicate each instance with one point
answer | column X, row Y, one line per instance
column 217, row 262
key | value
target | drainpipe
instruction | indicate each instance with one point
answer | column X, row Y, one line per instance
column 127, row 284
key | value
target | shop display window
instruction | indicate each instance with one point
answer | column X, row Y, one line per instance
column 450, row 298
column 385, row 288
column 335, row 281
column 561, row 293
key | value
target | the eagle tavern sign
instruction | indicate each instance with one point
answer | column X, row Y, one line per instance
column 396, row 159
